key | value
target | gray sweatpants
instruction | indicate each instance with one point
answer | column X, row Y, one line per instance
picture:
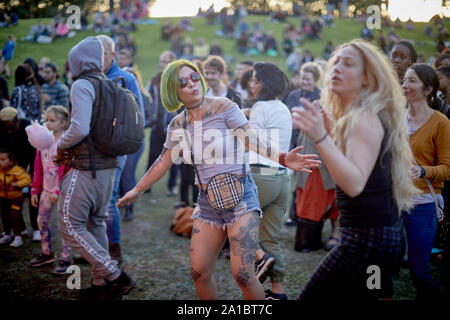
column 82, row 212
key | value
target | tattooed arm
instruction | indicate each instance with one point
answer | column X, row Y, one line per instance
column 153, row 174
column 269, row 150
column 159, row 167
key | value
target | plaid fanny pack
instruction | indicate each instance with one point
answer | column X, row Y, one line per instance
column 224, row 191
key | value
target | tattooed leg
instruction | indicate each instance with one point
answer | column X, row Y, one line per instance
column 243, row 237
column 206, row 243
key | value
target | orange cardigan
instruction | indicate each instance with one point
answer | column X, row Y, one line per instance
column 430, row 146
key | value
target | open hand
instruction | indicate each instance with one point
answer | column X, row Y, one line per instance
column 328, row 120
column 130, row 197
column 415, row 172
column 301, row 162
column 309, row 120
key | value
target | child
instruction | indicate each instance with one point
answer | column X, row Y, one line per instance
column 7, row 55
column 12, row 179
column 46, row 178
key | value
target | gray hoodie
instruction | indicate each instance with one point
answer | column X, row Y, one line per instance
column 87, row 55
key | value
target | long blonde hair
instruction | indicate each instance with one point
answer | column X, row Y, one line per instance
column 383, row 97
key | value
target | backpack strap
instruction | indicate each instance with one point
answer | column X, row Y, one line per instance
column 121, row 79
column 95, row 110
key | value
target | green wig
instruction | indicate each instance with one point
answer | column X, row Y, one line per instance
column 170, row 83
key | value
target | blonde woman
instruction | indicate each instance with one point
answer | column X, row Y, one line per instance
column 182, row 84
column 368, row 156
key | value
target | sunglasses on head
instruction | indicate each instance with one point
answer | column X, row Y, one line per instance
column 194, row 76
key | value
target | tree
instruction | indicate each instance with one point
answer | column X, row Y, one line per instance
column 48, row 8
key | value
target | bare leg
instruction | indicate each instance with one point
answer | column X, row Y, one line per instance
column 206, row 243
column 243, row 237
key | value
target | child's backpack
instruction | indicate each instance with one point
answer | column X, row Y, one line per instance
column 182, row 222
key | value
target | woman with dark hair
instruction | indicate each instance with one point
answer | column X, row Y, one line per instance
column 34, row 66
column 210, row 123
column 442, row 60
column 26, row 96
column 271, row 118
column 403, row 55
column 429, row 133
column 246, row 79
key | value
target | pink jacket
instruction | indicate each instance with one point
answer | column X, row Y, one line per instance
column 38, row 175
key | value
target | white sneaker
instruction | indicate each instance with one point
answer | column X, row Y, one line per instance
column 5, row 239
column 24, row 232
column 36, row 235
column 17, row 242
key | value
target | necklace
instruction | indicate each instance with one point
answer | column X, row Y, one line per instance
column 196, row 106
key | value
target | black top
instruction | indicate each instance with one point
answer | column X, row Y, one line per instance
column 234, row 96
column 375, row 206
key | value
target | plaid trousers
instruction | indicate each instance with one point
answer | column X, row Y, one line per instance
column 343, row 274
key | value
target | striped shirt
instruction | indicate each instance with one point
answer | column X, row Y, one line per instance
column 58, row 93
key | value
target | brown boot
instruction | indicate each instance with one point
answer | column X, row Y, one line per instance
column 115, row 252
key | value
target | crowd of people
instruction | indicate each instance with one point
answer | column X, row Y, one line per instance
column 355, row 136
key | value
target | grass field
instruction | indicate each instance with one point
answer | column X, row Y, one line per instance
column 150, row 45
column 157, row 258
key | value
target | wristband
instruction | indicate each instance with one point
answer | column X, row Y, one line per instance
column 422, row 172
column 282, row 159
column 321, row 139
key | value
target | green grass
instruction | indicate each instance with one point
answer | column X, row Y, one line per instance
column 150, row 45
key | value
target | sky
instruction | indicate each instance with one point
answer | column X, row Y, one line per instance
column 417, row 10
column 180, row 8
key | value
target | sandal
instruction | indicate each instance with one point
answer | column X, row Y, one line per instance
column 331, row 243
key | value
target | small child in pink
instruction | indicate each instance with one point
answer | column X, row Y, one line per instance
column 46, row 178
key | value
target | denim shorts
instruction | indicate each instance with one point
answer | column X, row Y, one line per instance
column 225, row 218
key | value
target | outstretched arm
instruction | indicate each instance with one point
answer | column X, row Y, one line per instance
column 153, row 174
column 267, row 149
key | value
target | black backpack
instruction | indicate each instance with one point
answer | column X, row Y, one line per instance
column 116, row 123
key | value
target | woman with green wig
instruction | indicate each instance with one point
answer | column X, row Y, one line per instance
column 217, row 131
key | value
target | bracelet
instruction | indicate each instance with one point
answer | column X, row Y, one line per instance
column 321, row 139
column 282, row 159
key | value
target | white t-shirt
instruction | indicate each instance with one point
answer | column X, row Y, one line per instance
column 210, row 93
column 272, row 120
